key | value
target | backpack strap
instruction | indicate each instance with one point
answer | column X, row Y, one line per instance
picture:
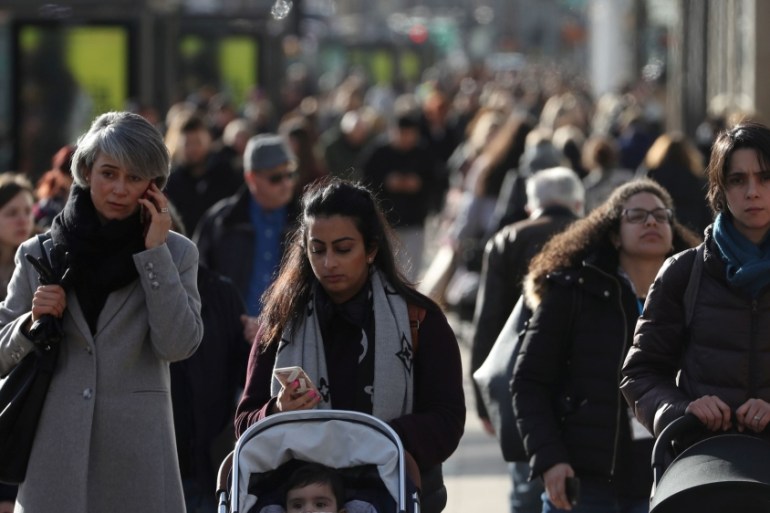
column 691, row 292
column 416, row 316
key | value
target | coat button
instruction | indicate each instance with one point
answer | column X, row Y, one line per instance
column 606, row 293
column 88, row 393
column 149, row 266
column 581, row 280
column 89, row 350
column 155, row 285
column 151, row 275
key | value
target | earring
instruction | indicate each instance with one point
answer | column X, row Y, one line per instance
column 370, row 260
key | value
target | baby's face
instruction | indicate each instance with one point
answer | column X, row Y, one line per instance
column 313, row 498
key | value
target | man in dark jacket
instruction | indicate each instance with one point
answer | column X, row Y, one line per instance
column 201, row 177
column 401, row 170
column 555, row 199
column 242, row 237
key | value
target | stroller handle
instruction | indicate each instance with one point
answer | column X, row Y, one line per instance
column 684, row 424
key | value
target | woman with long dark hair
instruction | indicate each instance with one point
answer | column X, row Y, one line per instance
column 340, row 309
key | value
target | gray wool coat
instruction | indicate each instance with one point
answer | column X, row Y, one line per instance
column 105, row 441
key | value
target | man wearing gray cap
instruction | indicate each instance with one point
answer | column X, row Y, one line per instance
column 242, row 236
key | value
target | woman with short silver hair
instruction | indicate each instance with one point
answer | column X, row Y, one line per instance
column 105, row 439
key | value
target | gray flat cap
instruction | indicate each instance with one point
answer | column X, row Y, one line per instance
column 266, row 151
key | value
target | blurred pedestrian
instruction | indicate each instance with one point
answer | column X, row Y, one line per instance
column 16, row 226
column 199, row 178
column 601, row 159
column 53, row 188
column 242, row 236
column 675, row 163
column 400, row 169
column 555, row 199
column 16, row 222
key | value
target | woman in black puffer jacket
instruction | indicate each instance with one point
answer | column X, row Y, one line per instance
column 722, row 354
column 586, row 289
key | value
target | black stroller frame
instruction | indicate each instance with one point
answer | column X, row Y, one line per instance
column 722, row 473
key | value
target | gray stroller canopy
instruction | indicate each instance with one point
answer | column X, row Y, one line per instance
column 334, row 438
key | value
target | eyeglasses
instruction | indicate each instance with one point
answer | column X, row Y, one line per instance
column 280, row 177
column 640, row 215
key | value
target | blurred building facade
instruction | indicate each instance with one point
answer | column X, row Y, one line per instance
column 63, row 62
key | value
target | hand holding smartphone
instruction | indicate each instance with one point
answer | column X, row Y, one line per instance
column 287, row 375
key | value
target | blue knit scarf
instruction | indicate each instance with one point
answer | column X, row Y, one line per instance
column 748, row 264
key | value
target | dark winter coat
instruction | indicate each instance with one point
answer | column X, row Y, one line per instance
column 506, row 259
column 565, row 383
column 225, row 239
column 725, row 352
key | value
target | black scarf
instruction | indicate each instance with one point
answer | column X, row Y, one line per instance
column 100, row 255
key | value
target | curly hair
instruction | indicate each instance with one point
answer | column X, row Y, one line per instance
column 594, row 233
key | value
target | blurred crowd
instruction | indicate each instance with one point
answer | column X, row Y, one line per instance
column 450, row 160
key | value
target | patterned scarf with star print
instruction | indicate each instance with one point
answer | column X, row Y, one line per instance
column 393, row 370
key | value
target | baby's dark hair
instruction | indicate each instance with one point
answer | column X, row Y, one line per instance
column 315, row 473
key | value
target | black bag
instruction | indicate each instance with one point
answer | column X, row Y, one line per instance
column 22, row 395
column 23, row 391
column 493, row 379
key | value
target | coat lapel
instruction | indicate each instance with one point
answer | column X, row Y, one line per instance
column 73, row 306
column 115, row 302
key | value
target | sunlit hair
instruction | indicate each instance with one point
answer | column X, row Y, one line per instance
column 129, row 139
column 11, row 184
column 285, row 299
column 56, row 182
column 674, row 151
column 595, row 232
column 746, row 135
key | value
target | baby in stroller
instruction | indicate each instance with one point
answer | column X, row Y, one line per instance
column 315, row 488
column 290, row 450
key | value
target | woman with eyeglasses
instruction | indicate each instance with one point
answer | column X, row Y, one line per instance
column 586, row 289
column 713, row 363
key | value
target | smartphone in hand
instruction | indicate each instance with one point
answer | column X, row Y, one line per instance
column 572, row 487
column 287, row 375
column 144, row 213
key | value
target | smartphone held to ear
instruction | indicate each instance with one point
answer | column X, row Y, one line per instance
column 287, row 375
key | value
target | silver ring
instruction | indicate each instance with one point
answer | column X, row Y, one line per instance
column 757, row 418
column 164, row 210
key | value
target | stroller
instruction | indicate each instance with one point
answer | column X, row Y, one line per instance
column 723, row 473
column 365, row 450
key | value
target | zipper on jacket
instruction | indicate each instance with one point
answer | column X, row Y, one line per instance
column 619, row 409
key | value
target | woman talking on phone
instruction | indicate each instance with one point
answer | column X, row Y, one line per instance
column 340, row 309
column 105, row 439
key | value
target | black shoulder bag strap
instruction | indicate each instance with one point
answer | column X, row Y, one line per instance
column 691, row 292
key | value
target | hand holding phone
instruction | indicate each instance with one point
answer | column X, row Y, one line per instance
column 287, row 375
column 155, row 216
